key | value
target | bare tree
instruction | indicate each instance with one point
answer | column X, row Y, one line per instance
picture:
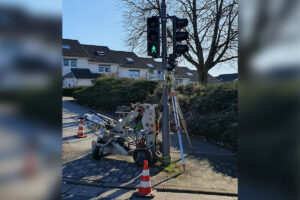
column 213, row 28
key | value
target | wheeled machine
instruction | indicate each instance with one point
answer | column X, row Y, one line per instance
column 136, row 134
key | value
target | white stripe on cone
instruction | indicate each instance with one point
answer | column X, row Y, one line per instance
column 144, row 184
column 145, row 173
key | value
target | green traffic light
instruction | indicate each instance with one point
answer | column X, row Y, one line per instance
column 153, row 50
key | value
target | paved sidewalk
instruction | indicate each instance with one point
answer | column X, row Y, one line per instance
column 211, row 170
column 91, row 192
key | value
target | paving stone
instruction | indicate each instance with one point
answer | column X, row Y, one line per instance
column 119, row 194
column 123, row 176
column 115, row 180
column 212, row 171
column 73, row 197
column 129, row 177
column 66, row 187
column 95, row 169
column 107, row 179
column 88, row 191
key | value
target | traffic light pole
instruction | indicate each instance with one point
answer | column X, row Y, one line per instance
column 166, row 159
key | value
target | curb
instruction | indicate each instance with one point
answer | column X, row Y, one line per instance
column 158, row 188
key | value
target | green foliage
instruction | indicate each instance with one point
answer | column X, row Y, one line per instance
column 220, row 127
column 109, row 92
column 68, row 91
column 211, row 111
column 155, row 97
column 170, row 168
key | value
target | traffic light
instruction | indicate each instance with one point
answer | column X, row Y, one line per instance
column 179, row 36
column 171, row 62
column 153, row 39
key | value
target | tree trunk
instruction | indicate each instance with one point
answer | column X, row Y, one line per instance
column 202, row 73
column 204, row 78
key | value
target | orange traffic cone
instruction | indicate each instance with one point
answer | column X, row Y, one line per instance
column 80, row 133
column 145, row 190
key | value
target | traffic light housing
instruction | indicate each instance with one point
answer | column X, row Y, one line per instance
column 153, row 37
column 179, row 36
column 171, row 62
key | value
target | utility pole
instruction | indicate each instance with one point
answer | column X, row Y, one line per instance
column 166, row 158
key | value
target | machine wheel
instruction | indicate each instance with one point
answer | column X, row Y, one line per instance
column 155, row 156
column 159, row 145
column 96, row 154
column 139, row 155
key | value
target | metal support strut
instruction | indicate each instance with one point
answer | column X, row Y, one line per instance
column 178, row 116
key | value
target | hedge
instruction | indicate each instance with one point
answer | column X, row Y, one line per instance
column 211, row 111
column 68, row 91
column 109, row 92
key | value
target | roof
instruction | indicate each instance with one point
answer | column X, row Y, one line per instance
column 80, row 73
column 184, row 72
column 227, row 77
column 146, row 61
column 121, row 58
column 101, row 54
column 69, row 75
column 75, row 49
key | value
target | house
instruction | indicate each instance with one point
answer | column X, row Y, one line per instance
column 83, row 63
column 130, row 65
column 101, row 60
column 74, row 56
column 154, row 69
column 227, row 77
column 79, row 76
column 184, row 75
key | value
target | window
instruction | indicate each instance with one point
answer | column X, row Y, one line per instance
column 150, row 65
column 66, row 47
column 155, row 71
column 72, row 63
column 130, row 59
column 189, row 73
column 178, row 81
column 101, row 53
column 66, row 62
column 103, row 69
column 134, row 74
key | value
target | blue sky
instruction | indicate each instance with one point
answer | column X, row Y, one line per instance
column 99, row 22
column 96, row 22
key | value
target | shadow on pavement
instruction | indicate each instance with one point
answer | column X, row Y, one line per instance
column 70, row 124
column 72, row 137
column 226, row 163
column 107, row 171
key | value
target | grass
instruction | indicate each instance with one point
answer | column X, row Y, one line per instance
column 170, row 168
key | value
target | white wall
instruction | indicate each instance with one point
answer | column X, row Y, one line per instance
column 114, row 69
column 94, row 67
column 84, row 82
column 186, row 81
column 155, row 76
column 124, row 72
column 69, row 82
column 81, row 63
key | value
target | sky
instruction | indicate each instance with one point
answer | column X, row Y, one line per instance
column 99, row 22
